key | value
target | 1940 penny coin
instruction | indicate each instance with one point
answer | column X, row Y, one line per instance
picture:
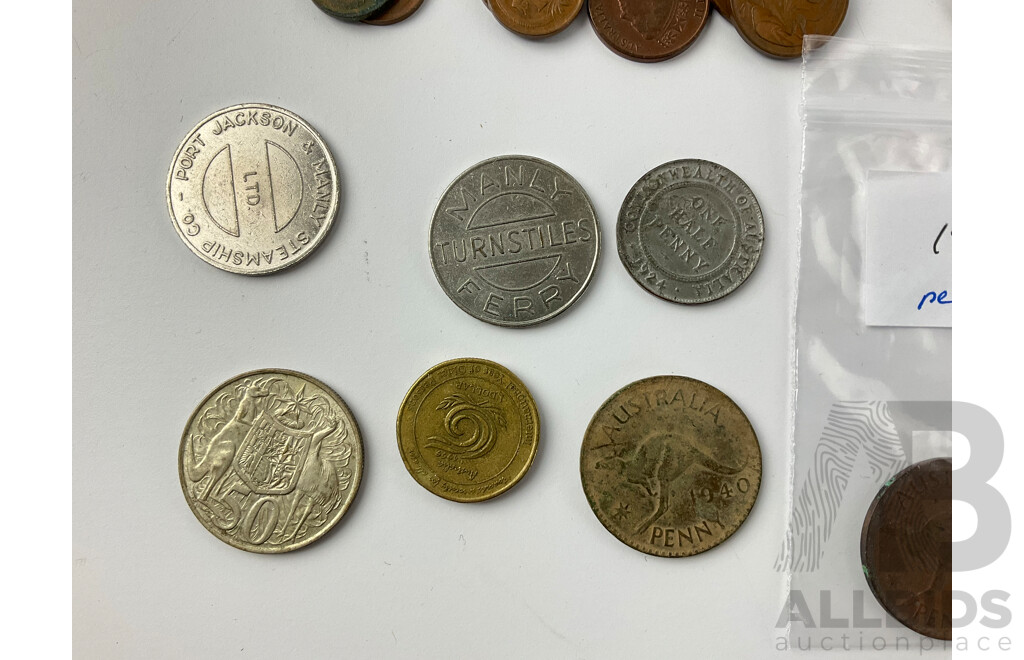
column 514, row 241
column 468, row 430
column 777, row 27
column 648, row 30
column 671, row 466
column 270, row 460
column 906, row 547
column 394, row 12
column 350, row 10
column 253, row 189
column 690, row 231
column 535, row 18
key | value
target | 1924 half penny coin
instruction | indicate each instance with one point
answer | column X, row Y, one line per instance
column 671, row 466
column 514, row 241
column 270, row 460
column 646, row 30
column 468, row 430
column 690, row 231
column 906, row 547
column 253, row 189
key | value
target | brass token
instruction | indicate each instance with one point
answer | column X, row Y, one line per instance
column 535, row 18
column 468, row 430
column 671, row 466
column 270, row 460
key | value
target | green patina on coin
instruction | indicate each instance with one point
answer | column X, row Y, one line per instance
column 350, row 10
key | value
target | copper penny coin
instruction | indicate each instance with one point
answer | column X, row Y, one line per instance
column 723, row 8
column 906, row 547
column 777, row 27
column 648, row 30
column 670, row 466
column 535, row 18
column 350, row 10
column 394, row 12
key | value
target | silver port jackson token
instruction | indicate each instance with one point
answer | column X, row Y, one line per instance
column 514, row 241
column 690, row 231
column 252, row 189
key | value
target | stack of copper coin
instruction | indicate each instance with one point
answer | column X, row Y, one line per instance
column 777, row 27
column 656, row 30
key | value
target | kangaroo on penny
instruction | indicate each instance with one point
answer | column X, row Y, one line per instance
column 660, row 460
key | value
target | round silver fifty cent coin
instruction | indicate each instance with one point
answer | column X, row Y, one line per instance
column 690, row 231
column 270, row 460
column 253, row 189
column 514, row 241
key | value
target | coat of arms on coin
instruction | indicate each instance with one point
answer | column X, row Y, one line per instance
column 468, row 430
column 270, row 461
column 252, row 189
column 671, row 466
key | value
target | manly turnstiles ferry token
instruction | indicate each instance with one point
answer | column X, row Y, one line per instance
column 690, row 231
column 252, row 189
column 671, row 466
column 350, row 10
column 468, row 430
column 514, row 241
column 270, row 461
column 906, row 547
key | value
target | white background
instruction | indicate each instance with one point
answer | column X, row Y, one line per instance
column 405, row 109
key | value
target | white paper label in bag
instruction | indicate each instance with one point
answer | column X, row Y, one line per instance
column 908, row 250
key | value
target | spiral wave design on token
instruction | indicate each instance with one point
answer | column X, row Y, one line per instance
column 468, row 430
column 253, row 189
column 270, row 461
column 514, row 241
column 690, row 231
column 906, row 547
column 670, row 466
